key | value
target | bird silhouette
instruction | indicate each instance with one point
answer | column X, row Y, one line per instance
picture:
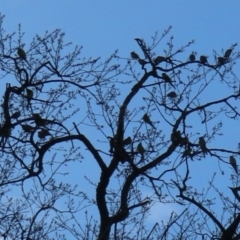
column 127, row 141
column 221, row 60
column 192, row 57
column 147, row 120
column 167, row 79
column 172, row 94
column 27, row 128
column 203, row 59
column 16, row 115
column 43, row 133
column 202, row 145
column 21, row 54
column 228, row 53
column 159, row 59
column 233, row 163
column 141, row 150
column 29, row 96
column 134, row 55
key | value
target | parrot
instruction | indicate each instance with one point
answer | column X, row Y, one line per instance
column 159, row 59
column 233, row 162
column 192, row 57
column 228, row 53
column 202, row 145
column 127, row 141
column 134, row 55
column 21, row 53
column 16, row 115
column 29, row 95
column 221, row 60
column 146, row 119
column 167, row 79
column 172, row 94
column 140, row 149
column 43, row 133
column 203, row 59
column 27, row 128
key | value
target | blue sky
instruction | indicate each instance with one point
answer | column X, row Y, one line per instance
column 104, row 26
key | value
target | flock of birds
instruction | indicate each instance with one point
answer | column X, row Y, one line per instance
column 176, row 137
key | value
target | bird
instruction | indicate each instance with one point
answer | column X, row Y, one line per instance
column 221, row 60
column 16, row 115
column 172, row 94
column 43, row 133
column 187, row 152
column 142, row 61
column 141, row 150
column 21, row 53
column 112, row 143
column 147, row 120
column 29, row 95
column 27, row 128
column 127, row 141
column 202, row 145
column 167, row 79
column 192, row 57
column 5, row 131
column 159, row 59
column 134, row 55
column 176, row 137
column 38, row 119
column 203, row 59
column 228, row 53
column 233, row 162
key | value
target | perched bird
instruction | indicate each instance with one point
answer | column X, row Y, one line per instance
column 112, row 142
column 147, row 119
column 38, row 119
column 176, row 137
column 202, row 145
column 221, row 60
column 192, row 57
column 134, row 55
column 29, row 95
column 172, row 94
column 125, row 156
column 16, row 115
column 228, row 53
column 233, row 162
column 27, row 128
column 21, row 53
column 187, row 153
column 141, row 150
column 159, row 59
column 36, row 116
column 203, row 59
column 142, row 61
column 127, row 141
column 43, row 133
column 167, row 79
column 5, row 131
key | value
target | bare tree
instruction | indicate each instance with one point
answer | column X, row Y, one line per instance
column 135, row 128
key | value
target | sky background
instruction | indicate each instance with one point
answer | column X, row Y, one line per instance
column 101, row 27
